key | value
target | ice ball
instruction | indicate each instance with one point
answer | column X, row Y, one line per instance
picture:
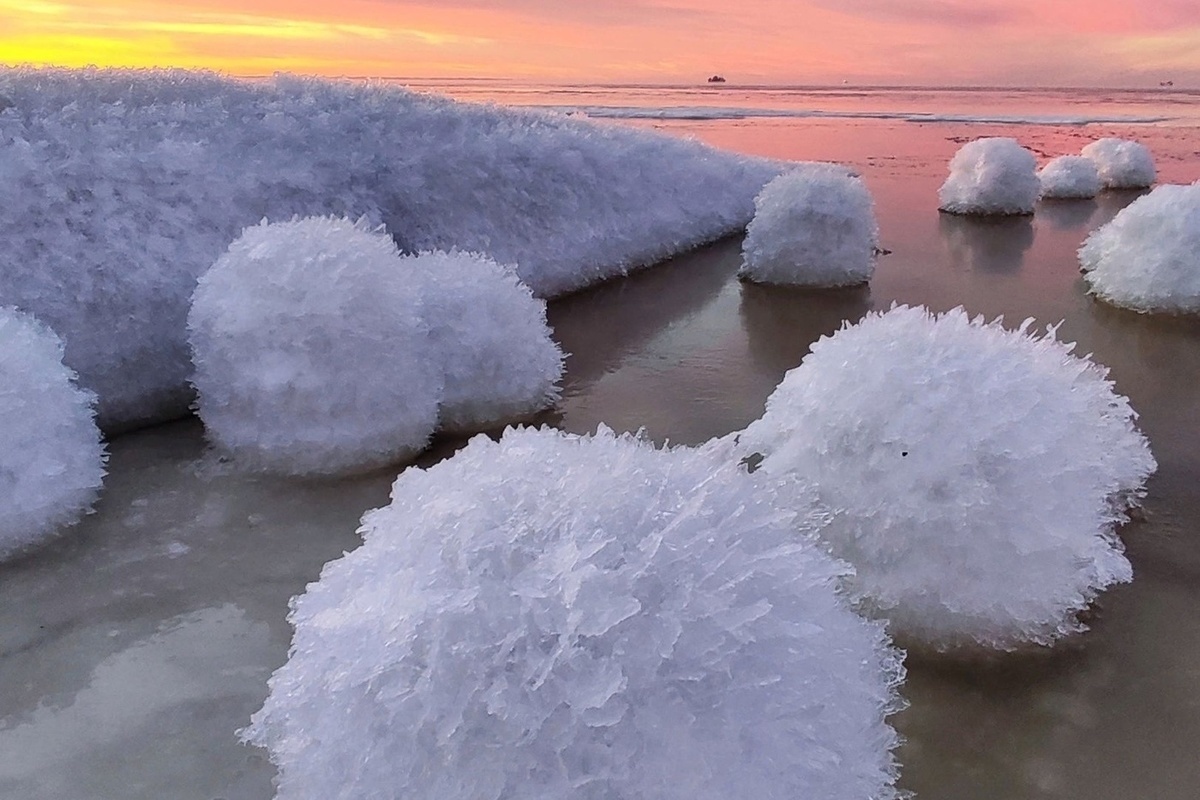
column 1069, row 177
column 1122, row 164
column 974, row 475
column 1148, row 257
column 991, row 176
column 812, row 227
column 561, row 616
column 311, row 352
column 490, row 336
column 51, row 459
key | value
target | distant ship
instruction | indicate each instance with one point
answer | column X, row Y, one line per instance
column 1166, row 84
column 716, row 79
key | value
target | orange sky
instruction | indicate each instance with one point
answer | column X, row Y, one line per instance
column 1017, row 42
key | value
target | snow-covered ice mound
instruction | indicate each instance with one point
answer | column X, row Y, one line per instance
column 556, row 616
column 975, row 475
column 1148, row 257
column 1069, row 177
column 122, row 187
column 491, row 339
column 312, row 353
column 812, row 227
column 1122, row 164
column 991, row 176
column 51, row 456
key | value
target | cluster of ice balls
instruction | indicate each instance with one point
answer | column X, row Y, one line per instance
column 812, row 227
column 1148, row 257
column 318, row 348
column 1121, row 164
column 51, row 457
column 562, row 616
column 991, row 176
column 974, row 475
column 1069, row 177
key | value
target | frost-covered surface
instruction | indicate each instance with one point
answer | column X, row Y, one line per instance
column 1068, row 177
column 121, row 188
column 490, row 337
column 556, row 616
column 975, row 475
column 51, row 456
column 311, row 349
column 1122, row 164
column 1148, row 257
column 991, row 176
column 813, row 226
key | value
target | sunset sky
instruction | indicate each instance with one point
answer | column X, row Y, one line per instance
column 960, row 42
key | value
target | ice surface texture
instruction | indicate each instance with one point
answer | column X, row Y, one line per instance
column 122, row 187
column 1069, row 177
column 51, row 457
column 1122, row 164
column 991, row 176
column 1148, row 257
column 553, row 616
column 975, row 475
column 813, row 226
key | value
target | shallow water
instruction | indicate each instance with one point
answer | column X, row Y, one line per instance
column 134, row 648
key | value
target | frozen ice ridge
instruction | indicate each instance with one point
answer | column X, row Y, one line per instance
column 813, row 226
column 1148, row 257
column 1122, row 164
column 51, row 456
column 1069, row 177
column 991, row 176
column 974, row 475
column 552, row 616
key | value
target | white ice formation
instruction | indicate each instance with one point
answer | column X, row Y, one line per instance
column 51, row 456
column 975, row 475
column 122, row 187
column 1148, row 257
column 1122, row 164
column 1069, row 177
column 814, row 227
column 311, row 350
column 490, row 338
column 560, row 616
column 991, row 176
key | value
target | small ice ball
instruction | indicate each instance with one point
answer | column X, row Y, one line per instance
column 552, row 616
column 490, row 336
column 1148, row 257
column 1069, row 177
column 311, row 352
column 812, row 227
column 52, row 458
column 974, row 475
column 1122, row 164
column 991, row 176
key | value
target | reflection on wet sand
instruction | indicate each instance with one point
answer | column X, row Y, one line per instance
column 987, row 244
column 1066, row 215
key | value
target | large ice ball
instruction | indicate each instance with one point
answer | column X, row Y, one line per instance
column 975, row 475
column 490, row 336
column 1069, row 177
column 811, row 227
column 1148, row 257
column 1122, row 164
column 51, row 456
column 552, row 616
column 991, row 176
column 311, row 351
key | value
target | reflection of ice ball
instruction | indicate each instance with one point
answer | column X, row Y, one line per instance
column 51, row 459
column 491, row 339
column 1148, row 257
column 311, row 352
column 812, row 227
column 1068, row 177
column 1122, row 164
column 555, row 616
column 991, row 176
column 974, row 474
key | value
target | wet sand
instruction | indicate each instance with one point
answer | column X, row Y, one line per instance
column 132, row 649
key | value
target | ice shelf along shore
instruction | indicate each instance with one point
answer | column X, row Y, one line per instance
column 122, row 187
